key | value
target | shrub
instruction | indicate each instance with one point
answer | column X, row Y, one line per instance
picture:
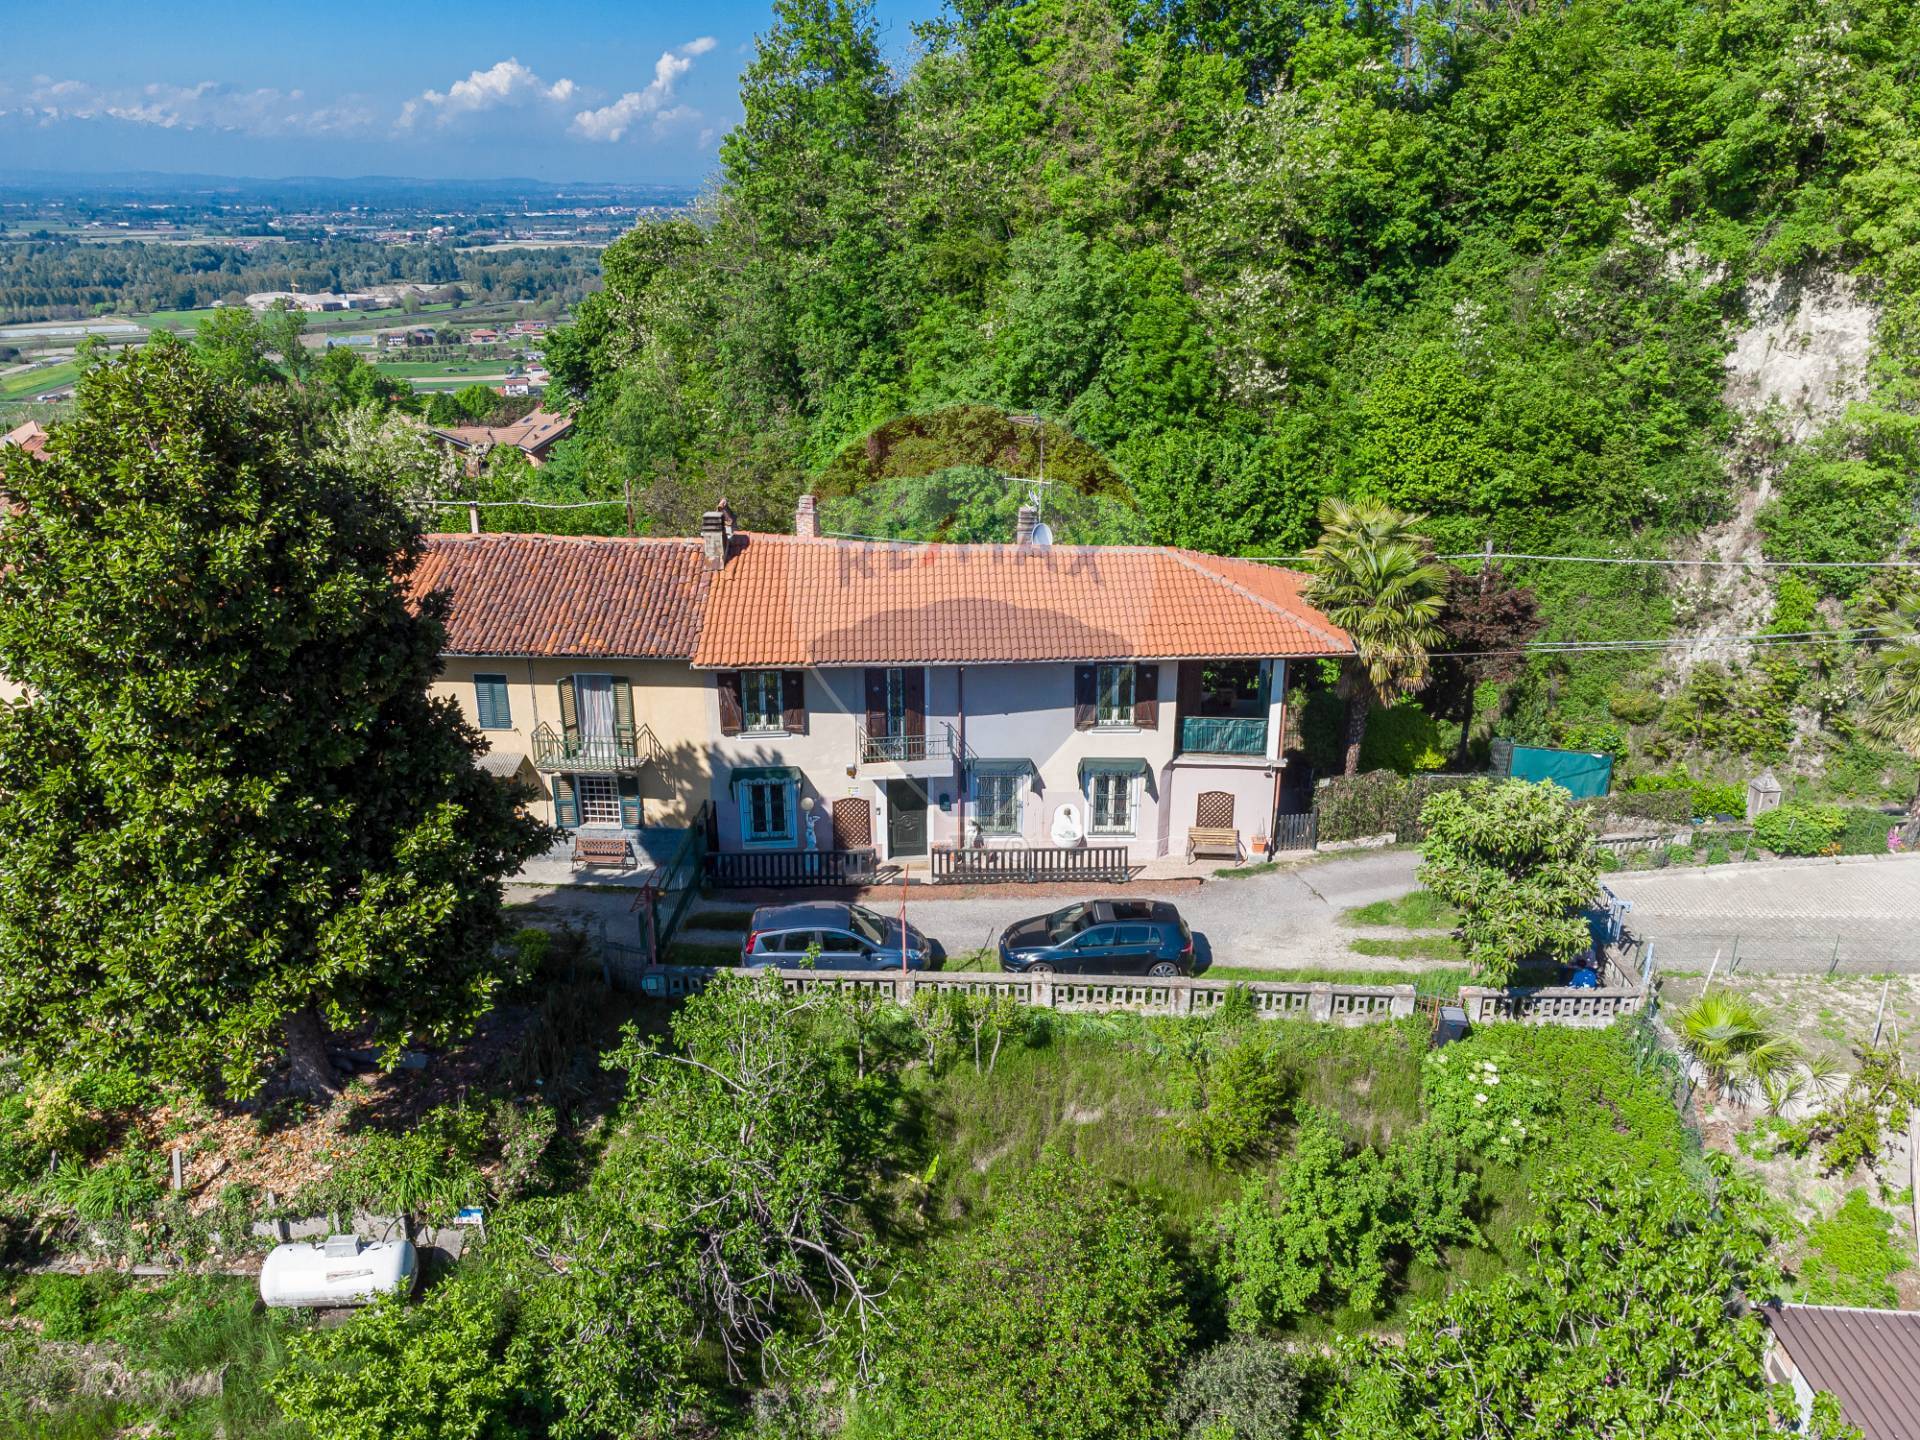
column 1853, row 1258
column 431, row 1169
column 441, row 1371
column 1234, row 1091
column 1244, row 1389
column 1797, row 829
column 114, row 1189
column 1403, row 738
column 1666, row 807
column 1864, row 832
column 1501, row 1115
column 1062, row 1316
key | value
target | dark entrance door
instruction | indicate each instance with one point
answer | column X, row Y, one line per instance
column 906, row 818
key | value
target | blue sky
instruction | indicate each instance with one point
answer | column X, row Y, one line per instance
column 553, row 90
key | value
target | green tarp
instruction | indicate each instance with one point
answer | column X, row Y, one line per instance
column 1000, row 767
column 1585, row 775
column 1131, row 765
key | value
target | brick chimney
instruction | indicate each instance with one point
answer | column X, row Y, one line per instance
column 1023, row 526
column 806, row 519
column 716, row 529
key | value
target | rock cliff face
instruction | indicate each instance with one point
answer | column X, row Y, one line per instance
column 1796, row 365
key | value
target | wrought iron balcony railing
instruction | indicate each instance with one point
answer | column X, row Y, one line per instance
column 627, row 748
column 1223, row 734
column 938, row 744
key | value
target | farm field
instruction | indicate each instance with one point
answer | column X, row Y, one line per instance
column 34, row 382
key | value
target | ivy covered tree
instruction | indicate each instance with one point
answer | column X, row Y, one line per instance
column 1518, row 862
column 1485, row 625
column 231, row 816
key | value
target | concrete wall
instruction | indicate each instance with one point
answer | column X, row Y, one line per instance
column 668, row 698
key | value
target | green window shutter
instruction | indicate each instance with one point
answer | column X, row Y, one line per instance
column 623, row 708
column 569, row 711
column 566, row 805
column 630, row 809
column 490, row 702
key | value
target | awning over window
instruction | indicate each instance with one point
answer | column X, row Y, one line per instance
column 1020, row 766
column 746, row 774
column 1131, row 765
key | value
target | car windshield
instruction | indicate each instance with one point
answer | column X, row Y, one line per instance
column 1062, row 924
column 869, row 925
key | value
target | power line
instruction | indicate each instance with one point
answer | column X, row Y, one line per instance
column 520, row 504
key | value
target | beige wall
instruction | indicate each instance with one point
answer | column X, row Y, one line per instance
column 668, row 698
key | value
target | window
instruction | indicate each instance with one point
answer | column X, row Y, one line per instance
column 996, row 804
column 490, row 702
column 1110, row 795
column 763, row 701
column 1113, row 702
column 599, row 799
column 596, row 708
column 766, row 811
column 838, row 942
column 896, row 702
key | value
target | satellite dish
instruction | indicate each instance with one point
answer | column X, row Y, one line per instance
column 1042, row 533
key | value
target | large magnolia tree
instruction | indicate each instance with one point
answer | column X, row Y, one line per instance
column 231, row 816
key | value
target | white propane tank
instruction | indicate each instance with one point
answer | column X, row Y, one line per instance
column 343, row 1271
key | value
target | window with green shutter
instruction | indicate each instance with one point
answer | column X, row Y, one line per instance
column 490, row 702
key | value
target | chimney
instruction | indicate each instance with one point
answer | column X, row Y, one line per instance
column 714, row 533
column 1023, row 527
column 806, row 520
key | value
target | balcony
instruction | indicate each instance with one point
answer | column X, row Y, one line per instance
column 1223, row 734
column 627, row 748
column 910, row 752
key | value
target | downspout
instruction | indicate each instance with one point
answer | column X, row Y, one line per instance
column 960, row 760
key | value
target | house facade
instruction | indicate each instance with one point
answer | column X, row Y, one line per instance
column 912, row 696
column 569, row 655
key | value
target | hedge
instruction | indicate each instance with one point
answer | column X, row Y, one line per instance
column 1663, row 807
column 1351, row 807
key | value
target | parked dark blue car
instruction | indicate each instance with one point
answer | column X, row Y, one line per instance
column 1101, row 937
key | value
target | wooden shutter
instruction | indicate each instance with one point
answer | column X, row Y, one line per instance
column 793, row 685
column 916, row 692
column 630, row 809
column 1085, row 682
column 876, row 702
column 731, row 710
column 1146, row 696
column 623, row 708
column 566, row 805
column 1191, row 675
column 569, row 710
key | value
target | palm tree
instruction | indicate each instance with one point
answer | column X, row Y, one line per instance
column 1377, row 580
column 1734, row 1043
column 1891, row 678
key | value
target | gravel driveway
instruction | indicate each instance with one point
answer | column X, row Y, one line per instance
column 1282, row 918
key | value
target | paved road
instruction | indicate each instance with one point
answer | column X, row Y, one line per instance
column 1283, row 918
column 1784, row 917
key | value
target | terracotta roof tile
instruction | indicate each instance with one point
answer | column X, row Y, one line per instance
column 30, row 437
column 1867, row 1358
column 533, row 431
column 785, row 600
column 564, row 595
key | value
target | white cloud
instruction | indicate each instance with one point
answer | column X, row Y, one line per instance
column 209, row 105
column 610, row 123
column 506, row 84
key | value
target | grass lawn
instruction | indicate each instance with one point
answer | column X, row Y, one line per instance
column 51, row 377
column 1422, row 910
column 413, row 369
column 1442, row 948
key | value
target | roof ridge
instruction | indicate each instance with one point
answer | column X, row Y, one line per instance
column 467, row 537
column 1843, row 1309
column 1186, row 557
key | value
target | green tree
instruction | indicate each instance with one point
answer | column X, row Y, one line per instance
column 1060, row 1318
column 1890, row 678
column 1627, row 1320
column 1373, row 576
column 231, row 813
column 1734, row 1042
column 1241, row 1389
column 232, row 344
column 1518, row 862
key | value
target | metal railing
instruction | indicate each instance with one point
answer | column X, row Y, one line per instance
column 780, row 869
column 940, row 744
column 627, row 748
column 1029, row 865
column 1223, row 734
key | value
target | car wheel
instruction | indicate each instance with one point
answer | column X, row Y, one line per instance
column 1163, row 970
column 1040, row 968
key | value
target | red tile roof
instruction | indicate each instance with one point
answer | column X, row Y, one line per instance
column 1866, row 1358
column 564, row 595
column 30, row 437
column 532, row 433
column 785, row 600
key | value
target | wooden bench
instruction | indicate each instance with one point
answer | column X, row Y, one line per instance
column 1218, row 843
column 603, row 850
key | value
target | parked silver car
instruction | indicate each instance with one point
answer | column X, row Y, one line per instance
column 850, row 937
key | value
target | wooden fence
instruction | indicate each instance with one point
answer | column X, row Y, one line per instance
column 1295, row 832
column 1030, row 865
column 780, row 869
column 1079, row 994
